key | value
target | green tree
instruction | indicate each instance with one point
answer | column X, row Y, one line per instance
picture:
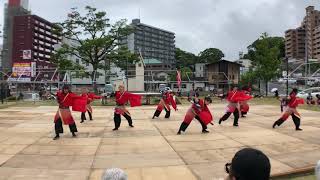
column 61, row 59
column 248, row 78
column 185, row 59
column 210, row 55
column 266, row 54
column 97, row 41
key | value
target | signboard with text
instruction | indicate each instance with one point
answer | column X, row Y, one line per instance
column 23, row 71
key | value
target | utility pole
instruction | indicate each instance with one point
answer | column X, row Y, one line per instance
column 127, row 73
column 287, row 64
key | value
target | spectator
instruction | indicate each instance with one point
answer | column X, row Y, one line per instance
column 318, row 170
column 114, row 174
column 318, row 99
column 249, row 164
column 310, row 99
column 276, row 93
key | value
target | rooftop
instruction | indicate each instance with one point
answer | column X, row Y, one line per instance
column 226, row 61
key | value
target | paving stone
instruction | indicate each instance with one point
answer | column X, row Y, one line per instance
column 137, row 160
column 49, row 162
column 150, row 150
column 153, row 173
column 40, row 174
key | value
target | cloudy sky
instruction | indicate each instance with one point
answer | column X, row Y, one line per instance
column 230, row 25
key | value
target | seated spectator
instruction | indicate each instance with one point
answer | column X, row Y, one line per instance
column 114, row 174
column 309, row 99
column 318, row 99
column 249, row 164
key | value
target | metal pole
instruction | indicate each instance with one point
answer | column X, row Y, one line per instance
column 127, row 73
column 306, row 61
column 287, row 61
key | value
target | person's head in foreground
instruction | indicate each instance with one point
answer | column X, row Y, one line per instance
column 249, row 164
column 114, row 174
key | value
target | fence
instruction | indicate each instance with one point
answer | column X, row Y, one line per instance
column 48, row 81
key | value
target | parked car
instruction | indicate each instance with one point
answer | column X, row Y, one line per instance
column 304, row 93
column 290, row 80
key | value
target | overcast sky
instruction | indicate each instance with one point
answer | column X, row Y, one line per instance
column 230, row 25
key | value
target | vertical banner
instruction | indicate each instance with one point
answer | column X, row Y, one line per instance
column 179, row 78
column 33, row 69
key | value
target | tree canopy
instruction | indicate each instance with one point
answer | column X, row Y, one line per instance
column 211, row 55
column 185, row 59
column 97, row 40
column 266, row 54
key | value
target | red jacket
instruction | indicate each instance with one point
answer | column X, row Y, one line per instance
column 66, row 100
column 90, row 97
column 168, row 99
column 123, row 98
column 294, row 101
column 203, row 112
column 236, row 96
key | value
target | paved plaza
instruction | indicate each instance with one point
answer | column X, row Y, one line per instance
column 151, row 150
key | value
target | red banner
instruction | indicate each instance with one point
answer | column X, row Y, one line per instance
column 179, row 78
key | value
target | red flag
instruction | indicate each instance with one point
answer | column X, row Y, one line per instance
column 206, row 117
column 179, row 78
column 80, row 105
column 135, row 100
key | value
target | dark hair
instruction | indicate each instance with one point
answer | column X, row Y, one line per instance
column 67, row 87
column 208, row 98
column 295, row 90
column 250, row 164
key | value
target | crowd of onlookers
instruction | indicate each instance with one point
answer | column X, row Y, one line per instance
column 312, row 101
column 247, row 164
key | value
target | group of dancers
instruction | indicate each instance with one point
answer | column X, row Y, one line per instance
column 199, row 110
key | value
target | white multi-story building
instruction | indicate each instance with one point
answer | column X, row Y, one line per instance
column 245, row 65
column 199, row 69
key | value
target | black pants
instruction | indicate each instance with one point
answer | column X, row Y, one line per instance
column 235, row 114
column 83, row 115
column 204, row 127
column 296, row 121
column 157, row 113
column 117, row 119
column 184, row 125
column 59, row 127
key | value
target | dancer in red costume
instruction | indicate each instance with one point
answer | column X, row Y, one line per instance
column 165, row 102
column 234, row 97
column 122, row 97
column 291, row 110
column 65, row 99
column 90, row 98
column 200, row 112
column 244, row 106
